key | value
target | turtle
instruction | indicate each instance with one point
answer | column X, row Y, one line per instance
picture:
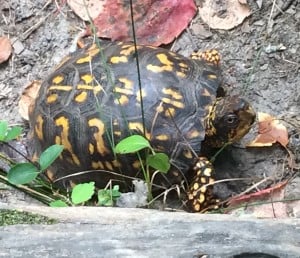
column 106, row 92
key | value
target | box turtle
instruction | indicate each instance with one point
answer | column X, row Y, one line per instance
column 95, row 97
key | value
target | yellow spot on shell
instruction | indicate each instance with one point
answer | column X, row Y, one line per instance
column 136, row 164
column 87, row 78
column 180, row 74
column 60, row 87
column 138, row 127
column 97, row 165
column 170, row 112
column 160, row 109
column 173, row 93
column 81, row 97
column 203, row 189
column 86, row 59
column 212, row 76
column 98, row 136
column 196, row 207
column 123, row 100
column 174, row 103
column 188, row 154
column 139, row 94
column 183, row 65
column 201, row 198
column 193, row 134
column 128, row 50
column 123, row 91
column 196, row 186
column 116, row 164
column 91, row 148
column 167, row 64
column 57, row 79
column 52, row 98
column 64, row 137
column 93, row 50
column 39, row 127
column 128, row 84
column 108, row 165
column 207, row 172
column 162, row 137
column 118, row 59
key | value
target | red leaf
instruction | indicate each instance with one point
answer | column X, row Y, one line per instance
column 156, row 21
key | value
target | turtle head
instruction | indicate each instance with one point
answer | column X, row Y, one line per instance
column 230, row 118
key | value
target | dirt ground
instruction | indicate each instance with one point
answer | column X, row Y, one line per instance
column 260, row 60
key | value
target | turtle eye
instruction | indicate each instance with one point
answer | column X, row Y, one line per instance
column 231, row 119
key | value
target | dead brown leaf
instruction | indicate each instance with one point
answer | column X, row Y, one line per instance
column 5, row 49
column 225, row 14
column 28, row 97
column 87, row 9
column 270, row 130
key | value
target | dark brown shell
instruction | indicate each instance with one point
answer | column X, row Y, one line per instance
column 93, row 100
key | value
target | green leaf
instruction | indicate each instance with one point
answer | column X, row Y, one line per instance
column 132, row 144
column 82, row 192
column 105, row 198
column 3, row 129
column 58, row 203
column 50, row 155
column 13, row 133
column 115, row 193
column 159, row 161
column 22, row 173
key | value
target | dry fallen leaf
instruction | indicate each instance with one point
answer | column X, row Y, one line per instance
column 5, row 49
column 156, row 21
column 225, row 14
column 270, row 130
column 87, row 9
column 28, row 97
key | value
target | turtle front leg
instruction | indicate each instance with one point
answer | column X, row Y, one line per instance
column 200, row 193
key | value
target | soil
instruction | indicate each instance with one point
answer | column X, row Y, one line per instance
column 260, row 61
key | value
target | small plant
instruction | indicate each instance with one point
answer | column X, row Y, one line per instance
column 158, row 161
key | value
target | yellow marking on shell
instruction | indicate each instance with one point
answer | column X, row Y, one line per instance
column 207, row 172
column 212, row 76
column 57, row 140
column 116, row 163
column 136, row 164
column 201, row 198
column 109, row 165
column 173, row 93
column 97, row 165
column 128, row 84
column 60, row 87
column 196, row 186
column 211, row 181
column 170, row 112
column 193, row 134
column 159, row 109
column 81, row 97
column 123, row 100
column 138, row 95
column 98, row 136
column 203, row 180
column 39, row 127
column 86, row 59
column 118, row 59
column 117, row 133
column 167, row 64
column 205, row 92
column 196, row 207
column 128, row 50
column 93, row 50
column 138, row 127
column 162, row 137
column 188, row 154
column 181, row 74
column 52, row 98
column 95, row 89
column 91, row 148
column 190, row 196
column 183, row 65
column 174, row 103
column 87, row 78
column 64, row 137
column 203, row 189
column 57, row 79
column 123, row 91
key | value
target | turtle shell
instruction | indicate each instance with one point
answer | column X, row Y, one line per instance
column 98, row 96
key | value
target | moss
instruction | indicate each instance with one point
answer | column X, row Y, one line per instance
column 12, row 217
